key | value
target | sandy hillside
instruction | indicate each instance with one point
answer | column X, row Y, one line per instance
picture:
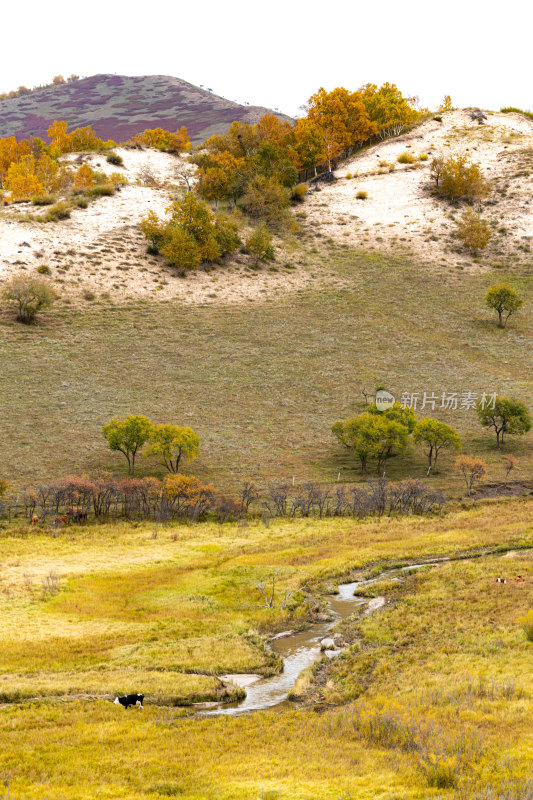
column 400, row 215
column 100, row 252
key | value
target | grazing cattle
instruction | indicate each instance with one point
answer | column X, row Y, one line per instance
column 501, row 580
column 34, row 520
column 130, row 700
column 519, row 579
column 60, row 521
column 77, row 513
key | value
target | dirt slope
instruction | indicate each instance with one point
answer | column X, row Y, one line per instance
column 118, row 106
column 100, row 253
column 401, row 216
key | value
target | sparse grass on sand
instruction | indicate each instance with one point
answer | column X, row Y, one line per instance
column 438, row 683
column 263, row 384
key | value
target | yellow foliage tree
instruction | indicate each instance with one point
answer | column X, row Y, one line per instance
column 164, row 140
column 342, row 118
column 60, row 143
column 48, row 172
column 446, row 104
column 22, row 180
column 84, row 177
column 11, row 151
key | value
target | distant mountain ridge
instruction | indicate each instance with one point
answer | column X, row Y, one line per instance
column 119, row 106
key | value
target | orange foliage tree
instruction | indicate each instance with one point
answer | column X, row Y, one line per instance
column 164, row 140
column 21, row 179
column 342, row 119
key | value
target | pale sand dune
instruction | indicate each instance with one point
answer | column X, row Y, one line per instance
column 400, row 210
column 101, row 249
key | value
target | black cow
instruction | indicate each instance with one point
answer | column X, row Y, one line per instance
column 130, row 700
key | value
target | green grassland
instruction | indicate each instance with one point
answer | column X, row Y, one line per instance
column 433, row 695
column 262, row 383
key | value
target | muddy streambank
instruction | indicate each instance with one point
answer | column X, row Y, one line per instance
column 301, row 649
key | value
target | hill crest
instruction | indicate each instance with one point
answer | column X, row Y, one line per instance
column 119, row 106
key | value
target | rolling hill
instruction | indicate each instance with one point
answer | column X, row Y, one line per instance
column 119, row 106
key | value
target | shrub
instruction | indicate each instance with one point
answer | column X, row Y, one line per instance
column 299, row 191
column 348, row 176
column 473, row 471
column 226, row 233
column 423, row 157
column 361, row 195
column 29, row 296
column 88, row 295
column 192, row 234
column 264, row 199
column 527, row 625
column 58, row 211
column 437, row 119
column 406, row 158
column 43, row 200
column 44, row 269
column 115, row 159
column 456, row 178
column 180, row 249
column 511, row 109
column 3, row 487
column 473, row 231
column 259, row 243
column 101, row 190
column 81, row 202
column 154, row 230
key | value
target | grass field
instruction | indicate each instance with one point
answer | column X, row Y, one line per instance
column 436, row 689
column 263, row 383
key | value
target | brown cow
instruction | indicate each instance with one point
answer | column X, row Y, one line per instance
column 59, row 521
column 34, row 520
column 77, row 513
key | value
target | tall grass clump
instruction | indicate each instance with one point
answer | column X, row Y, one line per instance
column 406, row 158
column 527, row 625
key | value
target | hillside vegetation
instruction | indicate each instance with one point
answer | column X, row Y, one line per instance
column 119, row 106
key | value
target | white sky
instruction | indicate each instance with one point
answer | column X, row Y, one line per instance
column 276, row 53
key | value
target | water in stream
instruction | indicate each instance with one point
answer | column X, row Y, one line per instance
column 300, row 650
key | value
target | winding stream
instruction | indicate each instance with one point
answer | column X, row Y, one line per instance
column 301, row 649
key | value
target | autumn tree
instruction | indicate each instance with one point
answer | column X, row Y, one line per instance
column 456, row 178
column 388, row 108
column 164, row 140
column 128, row 436
column 505, row 416
column 48, row 173
column 192, row 234
column 84, row 177
column 446, row 104
column 29, row 296
column 266, row 200
column 435, row 436
column 21, row 179
column 60, row 143
column 503, row 299
column 473, row 470
column 11, row 151
column 342, row 119
column 309, row 144
column 173, row 445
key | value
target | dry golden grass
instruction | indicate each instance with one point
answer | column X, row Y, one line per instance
column 134, row 613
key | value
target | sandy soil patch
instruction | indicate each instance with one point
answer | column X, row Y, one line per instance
column 100, row 253
column 401, row 216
